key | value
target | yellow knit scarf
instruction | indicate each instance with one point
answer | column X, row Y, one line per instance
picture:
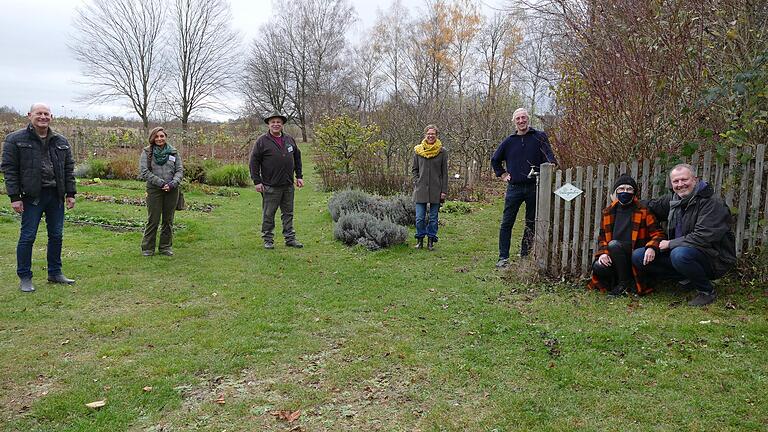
column 428, row 151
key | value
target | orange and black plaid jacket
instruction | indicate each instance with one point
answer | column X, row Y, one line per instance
column 645, row 232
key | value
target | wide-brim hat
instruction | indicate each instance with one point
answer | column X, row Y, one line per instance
column 275, row 114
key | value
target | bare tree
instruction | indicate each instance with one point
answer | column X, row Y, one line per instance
column 536, row 73
column 266, row 86
column 390, row 37
column 118, row 44
column 206, row 56
column 309, row 39
column 363, row 82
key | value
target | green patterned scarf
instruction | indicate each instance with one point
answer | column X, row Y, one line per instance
column 161, row 153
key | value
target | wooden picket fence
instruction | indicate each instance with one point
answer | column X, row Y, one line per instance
column 566, row 231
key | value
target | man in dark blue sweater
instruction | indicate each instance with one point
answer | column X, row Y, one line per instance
column 512, row 162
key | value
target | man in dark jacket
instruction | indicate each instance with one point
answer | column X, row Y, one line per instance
column 39, row 178
column 512, row 162
column 701, row 245
column 274, row 159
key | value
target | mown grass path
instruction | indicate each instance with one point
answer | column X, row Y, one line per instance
column 227, row 335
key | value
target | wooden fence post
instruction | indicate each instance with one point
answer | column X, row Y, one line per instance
column 543, row 219
column 756, row 187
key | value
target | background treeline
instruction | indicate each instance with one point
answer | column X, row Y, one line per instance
column 608, row 80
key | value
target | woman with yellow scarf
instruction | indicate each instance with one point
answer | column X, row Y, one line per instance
column 430, row 185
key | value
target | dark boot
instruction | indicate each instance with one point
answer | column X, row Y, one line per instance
column 431, row 243
column 419, row 243
column 619, row 290
column 703, row 299
column 60, row 279
column 26, row 285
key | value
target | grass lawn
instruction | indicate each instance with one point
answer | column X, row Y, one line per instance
column 232, row 337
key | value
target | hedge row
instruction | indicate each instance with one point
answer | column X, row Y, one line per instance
column 127, row 168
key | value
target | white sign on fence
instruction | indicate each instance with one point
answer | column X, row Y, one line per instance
column 568, row 192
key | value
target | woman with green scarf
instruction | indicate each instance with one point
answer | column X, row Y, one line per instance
column 430, row 185
column 160, row 165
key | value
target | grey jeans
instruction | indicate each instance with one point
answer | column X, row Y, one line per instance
column 272, row 198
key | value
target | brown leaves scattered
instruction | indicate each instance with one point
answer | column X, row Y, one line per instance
column 287, row 415
column 220, row 400
column 554, row 346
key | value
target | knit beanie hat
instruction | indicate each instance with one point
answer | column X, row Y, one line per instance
column 625, row 179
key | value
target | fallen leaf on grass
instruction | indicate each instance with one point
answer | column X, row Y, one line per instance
column 710, row 322
column 220, row 400
column 96, row 404
column 289, row 416
column 147, row 389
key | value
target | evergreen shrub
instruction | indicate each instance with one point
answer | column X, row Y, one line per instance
column 398, row 209
column 97, row 168
column 229, row 175
column 368, row 231
column 459, row 207
column 195, row 172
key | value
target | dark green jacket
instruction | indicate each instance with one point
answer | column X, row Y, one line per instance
column 22, row 164
column 706, row 225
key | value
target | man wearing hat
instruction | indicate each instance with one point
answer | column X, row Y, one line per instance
column 274, row 159
column 701, row 246
column 626, row 224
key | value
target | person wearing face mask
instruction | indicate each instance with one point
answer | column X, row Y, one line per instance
column 701, row 245
column 625, row 225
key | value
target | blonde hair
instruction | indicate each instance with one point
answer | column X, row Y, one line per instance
column 431, row 126
column 153, row 134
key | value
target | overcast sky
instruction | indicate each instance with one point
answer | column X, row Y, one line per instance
column 37, row 66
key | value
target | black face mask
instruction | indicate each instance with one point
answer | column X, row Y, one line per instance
column 625, row 198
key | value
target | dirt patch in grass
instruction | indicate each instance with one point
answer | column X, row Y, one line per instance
column 17, row 399
column 385, row 401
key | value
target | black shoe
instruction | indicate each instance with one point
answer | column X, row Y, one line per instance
column 166, row 252
column 619, row 290
column 26, row 285
column 294, row 244
column 703, row 299
column 419, row 243
column 61, row 279
column 431, row 243
column 147, row 253
column 269, row 244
